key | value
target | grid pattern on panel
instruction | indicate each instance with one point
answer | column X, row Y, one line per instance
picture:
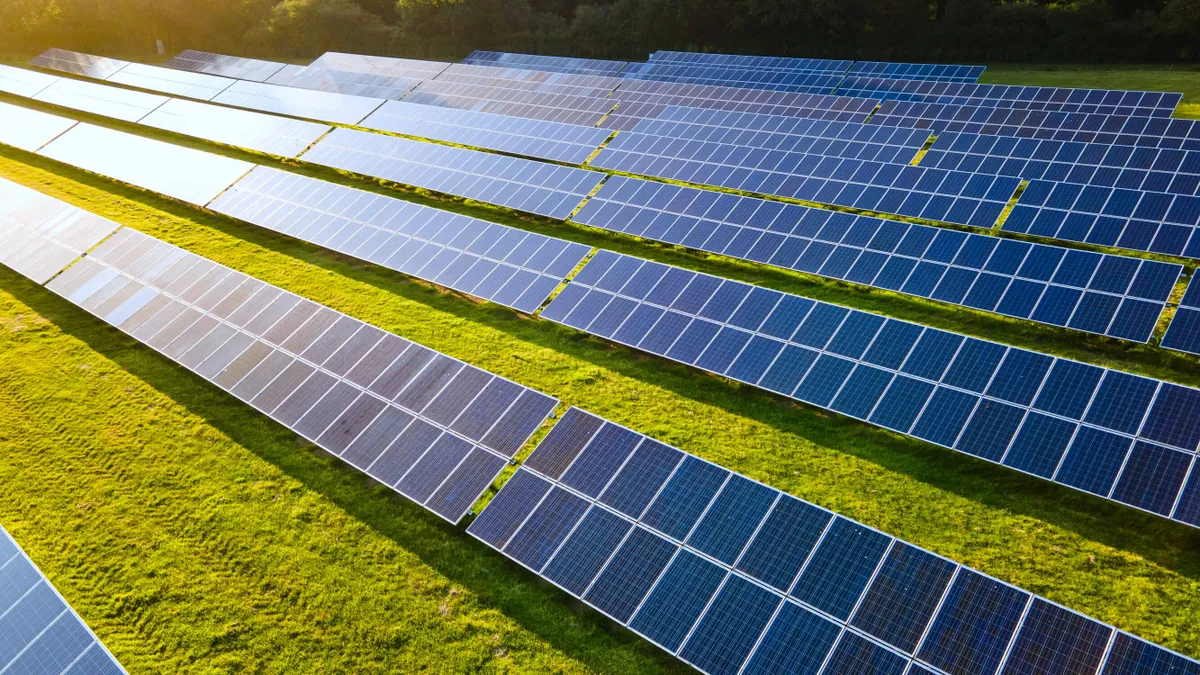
column 315, row 105
column 1050, row 99
column 772, row 80
column 931, row 194
column 917, row 71
column 189, row 175
column 97, row 67
column 568, row 143
column 347, row 82
column 43, row 235
column 530, row 81
column 1184, row 332
column 415, row 69
column 752, row 62
column 24, row 82
column 1150, row 169
column 552, row 107
column 1137, row 220
column 42, row 634
column 674, row 547
column 1098, row 293
column 511, row 267
column 274, row 135
column 554, row 64
column 431, row 427
column 1116, row 435
column 236, row 67
column 168, row 81
column 101, row 99
column 521, row 184
column 30, row 129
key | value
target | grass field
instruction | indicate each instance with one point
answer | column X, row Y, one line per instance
column 194, row 535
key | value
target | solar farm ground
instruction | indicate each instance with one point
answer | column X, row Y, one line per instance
column 194, row 535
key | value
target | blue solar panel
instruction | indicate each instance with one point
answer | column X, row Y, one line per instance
column 784, row 63
column 554, row 64
column 511, row 267
column 916, row 71
column 1184, row 332
column 555, row 97
column 863, row 601
column 996, row 275
column 521, row 184
column 568, row 143
column 932, row 194
column 1031, row 412
column 771, row 80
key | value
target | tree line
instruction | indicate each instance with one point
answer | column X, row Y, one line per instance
column 894, row 30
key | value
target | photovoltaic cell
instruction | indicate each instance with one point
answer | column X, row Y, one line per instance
column 235, row 67
column 521, row 184
column 508, row 266
column 554, row 64
column 42, row 634
column 1028, row 411
column 916, row 71
column 568, row 143
column 24, row 82
column 322, row 106
column 240, row 128
column 29, row 129
column 122, row 104
column 1184, row 332
column 43, row 235
column 725, row 617
column 169, row 81
column 96, row 67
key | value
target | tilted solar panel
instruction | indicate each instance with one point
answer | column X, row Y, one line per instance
column 917, row 71
column 932, row 194
column 96, row 67
column 1105, row 294
column 322, row 106
column 189, row 175
column 42, row 235
column 285, row 74
column 530, row 80
column 169, row 81
column 568, row 143
column 432, row 428
column 42, row 634
column 24, row 82
column 772, row 80
column 346, row 82
column 521, row 184
column 387, row 66
column 241, row 128
column 1128, row 438
column 511, row 267
column 1184, row 332
column 99, row 99
column 552, row 107
column 253, row 70
column 733, row 576
column 30, row 129
column 554, row 64
column 751, row 62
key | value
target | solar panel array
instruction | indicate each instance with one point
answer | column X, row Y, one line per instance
column 24, row 82
column 932, row 194
column 43, row 235
column 1056, row 99
column 42, row 634
column 568, row 143
column 236, row 67
column 240, row 128
column 434, row 429
column 521, row 184
column 314, row 105
column 96, row 67
column 511, row 267
column 189, row 175
column 168, row 81
column 916, row 71
column 1184, row 332
column 98, row 99
column 553, row 64
column 30, row 129
column 1131, row 439
column 1105, row 294
column 733, row 576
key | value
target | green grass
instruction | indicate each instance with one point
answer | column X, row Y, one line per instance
column 194, row 535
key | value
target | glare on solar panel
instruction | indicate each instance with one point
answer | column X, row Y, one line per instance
column 346, row 82
column 241, row 128
column 322, row 106
column 379, row 65
column 518, row 79
column 96, row 67
column 24, row 82
column 253, row 70
column 556, row 64
column 771, row 80
column 30, row 129
column 552, row 107
column 170, row 81
column 100, row 99
column 43, row 235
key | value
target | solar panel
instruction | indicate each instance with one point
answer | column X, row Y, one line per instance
column 345, row 82
column 314, row 105
column 568, row 143
column 581, row 110
column 1120, row 436
column 42, row 634
column 189, row 175
column 530, row 80
column 1058, row 99
column 1124, row 166
column 285, row 74
column 1106, row 294
column 387, row 66
column 787, row 63
column 241, row 128
column 1131, row 219
column 771, row 80
column 931, row 194
column 174, row 82
column 521, row 184
column 99, row 99
column 254, row 70
column 554, row 64
column 43, row 235
column 432, row 428
column 733, row 576
column 30, row 129
column 1184, row 332
column 24, row 82
column 96, row 67
column 917, row 71
column 511, row 267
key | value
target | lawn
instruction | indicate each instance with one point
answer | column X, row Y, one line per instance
column 194, row 535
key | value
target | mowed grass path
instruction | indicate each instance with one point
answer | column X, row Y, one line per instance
column 197, row 536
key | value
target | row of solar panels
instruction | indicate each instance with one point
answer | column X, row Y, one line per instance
column 713, row 567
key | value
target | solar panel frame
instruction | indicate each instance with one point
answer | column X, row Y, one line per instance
column 253, row 70
column 169, row 81
column 555, row 64
column 22, row 82
column 321, row 106
column 28, row 129
column 97, row 67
